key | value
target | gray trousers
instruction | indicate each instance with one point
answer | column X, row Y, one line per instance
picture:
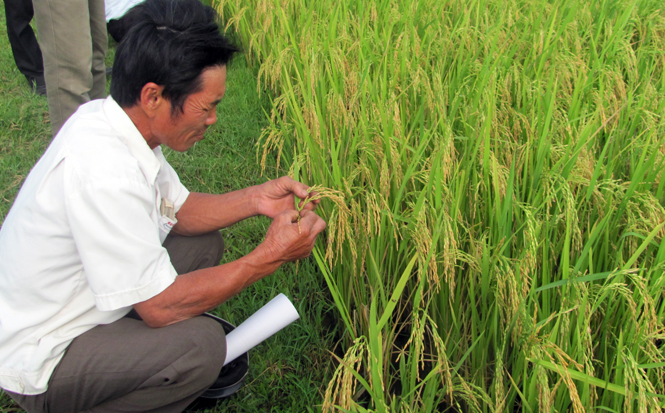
column 127, row 366
column 73, row 40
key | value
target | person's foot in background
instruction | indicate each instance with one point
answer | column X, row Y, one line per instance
column 37, row 84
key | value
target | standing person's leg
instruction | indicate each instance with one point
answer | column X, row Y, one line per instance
column 27, row 55
column 99, row 45
column 67, row 48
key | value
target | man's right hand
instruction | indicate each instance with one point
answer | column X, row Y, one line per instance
column 286, row 240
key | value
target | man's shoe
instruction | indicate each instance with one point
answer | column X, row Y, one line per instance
column 37, row 84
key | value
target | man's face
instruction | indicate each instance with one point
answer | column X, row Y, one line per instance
column 181, row 131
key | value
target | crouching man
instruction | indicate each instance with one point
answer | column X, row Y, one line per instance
column 102, row 226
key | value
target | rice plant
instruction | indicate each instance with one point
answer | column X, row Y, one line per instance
column 496, row 237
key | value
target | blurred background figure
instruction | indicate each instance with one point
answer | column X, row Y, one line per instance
column 73, row 41
column 27, row 55
column 116, row 22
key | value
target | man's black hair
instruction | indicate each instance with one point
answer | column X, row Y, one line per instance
column 170, row 43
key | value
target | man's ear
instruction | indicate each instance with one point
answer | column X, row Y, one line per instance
column 151, row 98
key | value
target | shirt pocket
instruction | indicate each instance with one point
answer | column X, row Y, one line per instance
column 167, row 218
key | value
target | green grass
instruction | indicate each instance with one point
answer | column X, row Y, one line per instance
column 24, row 127
column 289, row 371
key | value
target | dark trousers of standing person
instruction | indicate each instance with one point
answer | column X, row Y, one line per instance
column 127, row 366
column 72, row 36
column 25, row 48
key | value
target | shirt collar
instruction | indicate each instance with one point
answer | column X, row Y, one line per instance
column 148, row 161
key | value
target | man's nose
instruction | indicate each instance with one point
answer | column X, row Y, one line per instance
column 212, row 118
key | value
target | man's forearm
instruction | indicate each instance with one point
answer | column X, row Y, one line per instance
column 202, row 213
column 199, row 291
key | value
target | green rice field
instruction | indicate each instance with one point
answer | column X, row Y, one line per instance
column 493, row 181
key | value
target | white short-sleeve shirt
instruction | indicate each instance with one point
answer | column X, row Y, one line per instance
column 82, row 242
column 115, row 9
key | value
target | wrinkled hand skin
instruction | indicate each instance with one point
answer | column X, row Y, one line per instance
column 277, row 196
column 285, row 242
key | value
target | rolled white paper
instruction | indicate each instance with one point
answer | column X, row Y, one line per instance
column 270, row 318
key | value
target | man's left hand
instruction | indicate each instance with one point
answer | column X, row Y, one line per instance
column 278, row 195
